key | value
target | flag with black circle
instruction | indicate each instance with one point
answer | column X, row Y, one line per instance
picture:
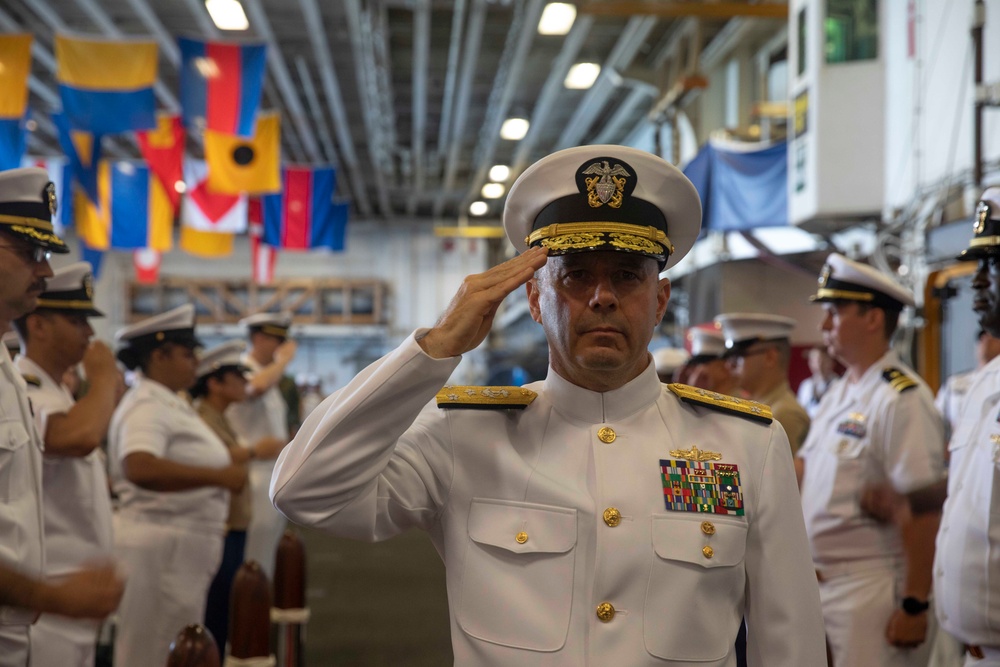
column 239, row 165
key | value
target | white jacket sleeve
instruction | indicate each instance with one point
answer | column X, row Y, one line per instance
column 367, row 464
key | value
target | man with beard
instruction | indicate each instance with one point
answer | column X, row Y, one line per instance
column 876, row 424
column 584, row 519
column 27, row 203
column 77, row 505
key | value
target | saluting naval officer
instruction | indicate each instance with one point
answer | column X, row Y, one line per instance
column 876, row 424
column 77, row 505
column 173, row 476
column 27, row 202
column 758, row 348
column 598, row 516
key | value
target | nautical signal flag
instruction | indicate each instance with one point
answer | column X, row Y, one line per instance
column 303, row 215
column 262, row 256
column 132, row 212
column 221, row 85
column 208, row 211
column 209, row 245
column 106, row 86
column 163, row 150
column 13, row 140
column 84, row 152
column 15, row 67
column 237, row 165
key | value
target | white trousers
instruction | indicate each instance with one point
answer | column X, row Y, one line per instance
column 857, row 606
column 57, row 641
column 14, row 644
column 991, row 658
column 168, row 571
column 267, row 525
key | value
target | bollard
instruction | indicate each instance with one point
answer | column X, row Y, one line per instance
column 194, row 646
column 290, row 614
column 250, row 619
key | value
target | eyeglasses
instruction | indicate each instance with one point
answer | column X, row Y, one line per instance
column 733, row 357
column 33, row 254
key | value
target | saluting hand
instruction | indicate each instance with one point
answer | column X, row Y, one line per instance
column 469, row 316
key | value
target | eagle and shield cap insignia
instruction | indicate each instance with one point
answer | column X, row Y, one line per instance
column 985, row 227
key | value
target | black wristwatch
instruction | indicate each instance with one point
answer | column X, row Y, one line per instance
column 914, row 607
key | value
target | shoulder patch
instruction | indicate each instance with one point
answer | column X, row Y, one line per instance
column 32, row 380
column 897, row 379
column 738, row 406
column 484, row 398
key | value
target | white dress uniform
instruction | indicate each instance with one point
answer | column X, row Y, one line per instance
column 951, row 397
column 170, row 544
column 21, row 527
column 77, row 510
column 882, row 428
column 563, row 541
column 259, row 417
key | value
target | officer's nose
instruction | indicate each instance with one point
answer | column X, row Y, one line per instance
column 604, row 295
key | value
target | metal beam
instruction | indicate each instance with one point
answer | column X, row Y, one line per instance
column 305, row 78
column 703, row 10
column 421, row 59
column 614, row 130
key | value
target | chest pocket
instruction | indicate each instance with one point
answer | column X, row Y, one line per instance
column 695, row 595
column 517, row 583
column 15, row 463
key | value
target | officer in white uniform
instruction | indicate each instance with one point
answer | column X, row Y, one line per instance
column 967, row 562
column 173, row 476
column 876, row 424
column 598, row 516
column 758, row 348
column 27, row 202
column 77, row 506
column 264, row 414
column 952, row 396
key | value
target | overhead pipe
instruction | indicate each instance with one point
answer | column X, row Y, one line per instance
column 978, row 21
column 639, row 93
column 421, row 59
column 305, row 79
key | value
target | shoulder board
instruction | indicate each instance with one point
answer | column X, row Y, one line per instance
column 897, row 379
column 484, row 398
column 32, row 380
column 710, row 399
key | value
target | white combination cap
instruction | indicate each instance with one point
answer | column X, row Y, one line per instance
column 71, row 289
column 226, row 355
column 669, row 359
column 844, row 279
column 745, row 329
column 27, row 204
column 12, row 341
column 604, row 198
column 274, row 324
column 706, row 342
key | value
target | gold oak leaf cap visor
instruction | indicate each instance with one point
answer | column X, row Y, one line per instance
column 27, row 204
column 604, row 198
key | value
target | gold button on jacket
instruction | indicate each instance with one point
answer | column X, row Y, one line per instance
column 607, row 434
column 708, row 527
column 605, row 612
column 708, row 552
column 612, row 516
column 521, row 537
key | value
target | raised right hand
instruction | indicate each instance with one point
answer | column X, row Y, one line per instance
column 469, row 316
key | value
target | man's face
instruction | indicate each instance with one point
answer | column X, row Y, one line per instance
column 749, row 364
column 231, row 385
column 64, row 335
column 264, row 345
column 22, row 278
column 598, row 310
column 844, row 327
column 986, row 294
column 712, row 375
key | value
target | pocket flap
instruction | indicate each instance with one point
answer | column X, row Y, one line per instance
column 700, row 539
column 13, row 435
column 522, row 527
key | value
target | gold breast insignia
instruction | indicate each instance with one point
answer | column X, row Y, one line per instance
column 695, row 454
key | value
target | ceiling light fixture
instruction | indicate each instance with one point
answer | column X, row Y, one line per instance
column 478, row 208
column 499, row 173
column 514, row 128
column 227, row 14
column 557, row 18
column 582, row 76
column 493, row 190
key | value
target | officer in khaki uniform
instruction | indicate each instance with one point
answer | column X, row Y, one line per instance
column 27, row 202
column 876, row 424
column 709, row 369
column 77, row 504
column 598, row 516
column 758, row 347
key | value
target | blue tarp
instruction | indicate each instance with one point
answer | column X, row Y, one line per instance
column 741, row 189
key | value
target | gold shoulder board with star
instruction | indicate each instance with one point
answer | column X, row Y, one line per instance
column 716, row 401
column 897, row 379
column 484, row 398
column 33, row 380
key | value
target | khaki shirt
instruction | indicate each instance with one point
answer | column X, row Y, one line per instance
column 787, row 412
column 239, row 503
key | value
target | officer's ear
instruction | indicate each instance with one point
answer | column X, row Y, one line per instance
column 662, row 298
column 531, row 287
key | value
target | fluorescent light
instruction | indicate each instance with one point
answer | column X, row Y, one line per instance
column 514, row 128
column 582, row 76
column 499, row 173
column 478, row 208
column 557, row 18
column 227, row 14
column 493, row 190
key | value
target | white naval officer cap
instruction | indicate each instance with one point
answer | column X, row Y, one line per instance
column 744, row 329
column 174, row 326
column 985, row 227
column 604, row 198
column 706, row 342
column 27, row 204
column 224, row 356
column 71, row 289
column 843, row 279
column 274, row 324
column 666, row 360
